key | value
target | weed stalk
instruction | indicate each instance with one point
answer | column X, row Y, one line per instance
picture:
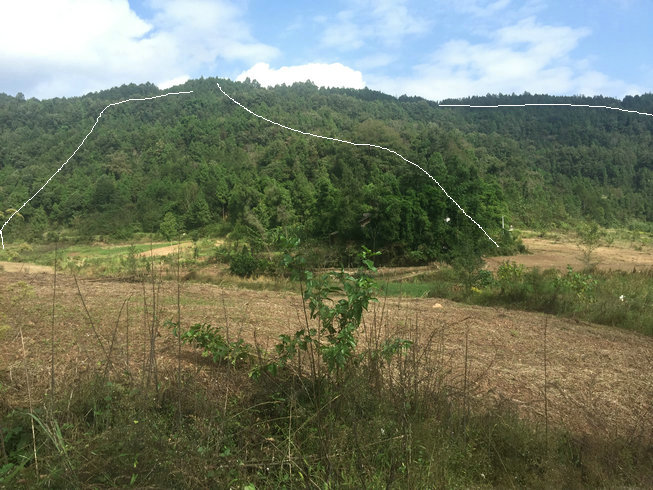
column 29, row 398
column 546, row 399
column 90, row 321
column 54, row 302
column 179, row 331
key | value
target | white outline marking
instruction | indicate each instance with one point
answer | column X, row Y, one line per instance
column 360, row 144
column 544, row 105
column 97, row 120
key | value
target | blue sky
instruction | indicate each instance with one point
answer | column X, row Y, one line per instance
column 435, row 49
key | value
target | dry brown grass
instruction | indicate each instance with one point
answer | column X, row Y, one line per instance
column 599, row 377
column 547, row 253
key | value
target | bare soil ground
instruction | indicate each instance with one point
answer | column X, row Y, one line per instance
column 25, row 267
column 546, row 253
column 171, row 249
column 599, row 378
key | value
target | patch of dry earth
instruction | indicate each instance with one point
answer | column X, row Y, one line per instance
column 599, row 378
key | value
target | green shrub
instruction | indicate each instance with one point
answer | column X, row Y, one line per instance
column 582, row 285
column 212, row 343
column 244, row 264
column 169, row 227
column 334, row 340
column 510, row 279
column 484, row 278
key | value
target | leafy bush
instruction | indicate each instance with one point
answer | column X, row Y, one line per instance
column 212, row 343
column 169, row 227
column 582, row 285
column 484, row 278
column 244, row 264
column 510, row 279
column 335, row 338
column 221, row 254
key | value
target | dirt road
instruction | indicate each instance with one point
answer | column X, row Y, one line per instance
column 172, row 249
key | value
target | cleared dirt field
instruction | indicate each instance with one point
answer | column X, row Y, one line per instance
column 599, row 378
column 551, row 254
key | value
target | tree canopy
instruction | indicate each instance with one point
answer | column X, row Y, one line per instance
column 199, row 161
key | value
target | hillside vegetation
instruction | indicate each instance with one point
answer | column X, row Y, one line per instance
column 181, row 316
column 198, row 163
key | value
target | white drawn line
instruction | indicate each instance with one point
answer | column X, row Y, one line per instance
column 80, row 145
column 541, row 105
column 360, row 144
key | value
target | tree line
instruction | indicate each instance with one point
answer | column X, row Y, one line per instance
column 200, row 164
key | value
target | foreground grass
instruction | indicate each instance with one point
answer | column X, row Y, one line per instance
column 384, row 417
column 231, row 431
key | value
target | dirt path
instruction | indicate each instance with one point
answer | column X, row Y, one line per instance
column 172, row 249
column 599, row 378
column 25, row 267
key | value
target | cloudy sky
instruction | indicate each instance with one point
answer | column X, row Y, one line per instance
column 432, row 48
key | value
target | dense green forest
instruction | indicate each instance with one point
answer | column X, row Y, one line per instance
column 200, row 164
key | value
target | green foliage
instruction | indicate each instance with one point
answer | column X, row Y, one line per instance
column 199, row 214
column 169, row 227
column 245, row 264
column 9, row 212
column 615, row 298
column 582, row 285
column 17, row 435
column 131, row 261
column 510, row 276
column 212, row 343
column 335, row 338
column 590, row 237
column 468, row 268
column 547, row 167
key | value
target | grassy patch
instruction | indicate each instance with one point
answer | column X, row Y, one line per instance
column 358, row 411
column 616, row 298
column 286, row 431
column 412, row 289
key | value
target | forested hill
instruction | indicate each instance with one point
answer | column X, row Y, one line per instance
column 199, row 162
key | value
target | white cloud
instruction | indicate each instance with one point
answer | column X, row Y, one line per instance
column 344, row 34
column 481, row 8
column 166, row 84
column 384, row 21
column 526, row 56
column 393, row 21
column 68, row 47
column 491, row 9
column 321, row 74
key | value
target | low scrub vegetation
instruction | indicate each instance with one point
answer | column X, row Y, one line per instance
column 340, row 403
column 619, row 299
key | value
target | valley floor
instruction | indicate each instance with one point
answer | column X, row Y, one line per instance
column 598, row 382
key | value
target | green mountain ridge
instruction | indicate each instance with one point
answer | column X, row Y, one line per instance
column 202, row 163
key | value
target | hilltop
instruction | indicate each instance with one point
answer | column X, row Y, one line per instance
column 203, row 165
